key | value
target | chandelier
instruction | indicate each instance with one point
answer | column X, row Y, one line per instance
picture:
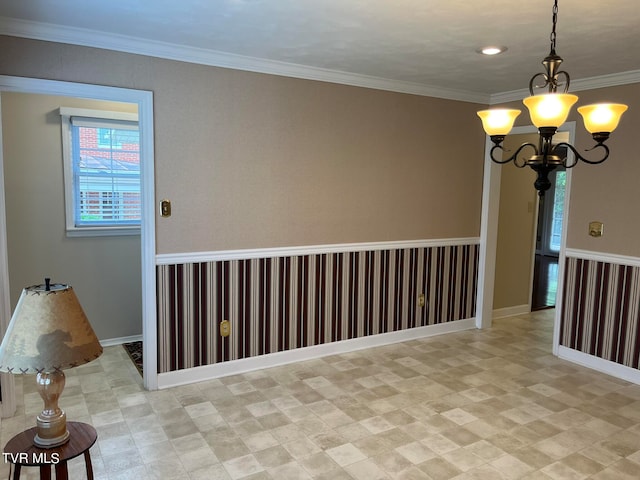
column 548, row 111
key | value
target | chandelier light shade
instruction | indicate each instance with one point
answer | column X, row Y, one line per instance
column 548, row 111
column 602, row 117
column 498, row 122
column 48, row 332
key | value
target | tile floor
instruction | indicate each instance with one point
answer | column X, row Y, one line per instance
column 491, row 404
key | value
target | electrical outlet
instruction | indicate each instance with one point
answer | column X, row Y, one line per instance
column 225, row 328
column 421, row 300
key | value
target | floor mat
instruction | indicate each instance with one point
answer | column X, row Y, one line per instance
column 134, row 349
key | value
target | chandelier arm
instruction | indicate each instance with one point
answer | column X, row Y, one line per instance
column 533, row 79
column 514, row 156
column 580, row 157
column 567, row 80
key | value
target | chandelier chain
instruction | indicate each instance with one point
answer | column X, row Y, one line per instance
column 553, row 30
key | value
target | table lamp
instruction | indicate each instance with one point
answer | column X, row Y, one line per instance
column 48, row 332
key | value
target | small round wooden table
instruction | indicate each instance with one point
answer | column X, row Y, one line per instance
column 21, row 451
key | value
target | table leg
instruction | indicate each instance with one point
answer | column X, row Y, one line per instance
column 61, row 471
column 87, row 463
column 16, row 471
column 45, row 472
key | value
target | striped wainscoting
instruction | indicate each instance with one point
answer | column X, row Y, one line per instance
column 281, row 303
column 601, row 310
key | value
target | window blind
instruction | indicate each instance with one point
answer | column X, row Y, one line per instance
column 106, row 172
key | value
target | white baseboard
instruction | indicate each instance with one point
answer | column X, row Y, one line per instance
column 511, row 311
column 596, row 363
column 234, row 367
column 119, row 341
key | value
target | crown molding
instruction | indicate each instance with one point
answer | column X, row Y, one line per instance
column 591, row 83
column 127, row 44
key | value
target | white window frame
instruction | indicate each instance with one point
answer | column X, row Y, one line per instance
column 66, row 114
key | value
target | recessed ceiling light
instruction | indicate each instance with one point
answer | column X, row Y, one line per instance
column 491, row 50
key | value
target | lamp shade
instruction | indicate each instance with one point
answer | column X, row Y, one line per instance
column 498, row 121
column 551, row 109
column 48, row 332
column 602, row 117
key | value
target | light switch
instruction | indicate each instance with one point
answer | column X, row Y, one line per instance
column 596, row 229
column 165, row 208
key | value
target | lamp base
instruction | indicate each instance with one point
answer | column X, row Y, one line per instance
column 51, row 442
column 52, row 421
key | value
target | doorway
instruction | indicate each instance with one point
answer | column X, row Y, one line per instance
column 144, row 102
column 489, row 236
column 548, row 242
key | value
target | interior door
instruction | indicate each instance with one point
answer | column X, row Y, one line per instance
column 550, row 215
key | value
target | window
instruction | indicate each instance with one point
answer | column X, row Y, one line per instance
column 102, row 172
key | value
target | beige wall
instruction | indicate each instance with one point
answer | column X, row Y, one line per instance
column 607, row 192
column 104, row 271
column 516, row 224
column 252, row 160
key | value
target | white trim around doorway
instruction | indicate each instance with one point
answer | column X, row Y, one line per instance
column 489, row 237
column 144, row 100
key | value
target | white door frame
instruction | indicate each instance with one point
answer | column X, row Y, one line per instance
column 144, row 100
column 489, row 236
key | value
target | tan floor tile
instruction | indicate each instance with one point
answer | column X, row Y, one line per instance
column 392, row 462
column 328, row 439
column 561, row 471
column 318, row 464
column 440, row 469
column 273, row 457
column 198, row 458
column 241, row 467
column 290, row 471
column 377, row 424
column 301, row 448
column 413, row 473
column 366, row 470
column 125, row 460
column 134, row 473
column 511, row 467
column 166, row 469
column 582, row 464
column 463, row 459
column 260, row 441
column 461, row 436
column 210, row 472
column 353, row 432
column 116, row 445
column 485, row 450
column 537, row 475
column 188, row 442
column 346, row 454
column 288, row 433
column 622, row 443
column 416, row 452
column 157, row 452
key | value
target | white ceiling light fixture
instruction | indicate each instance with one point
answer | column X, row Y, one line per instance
column 548, row 112
column 491, row 50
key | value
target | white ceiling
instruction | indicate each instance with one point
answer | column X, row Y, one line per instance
column 420, row 46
